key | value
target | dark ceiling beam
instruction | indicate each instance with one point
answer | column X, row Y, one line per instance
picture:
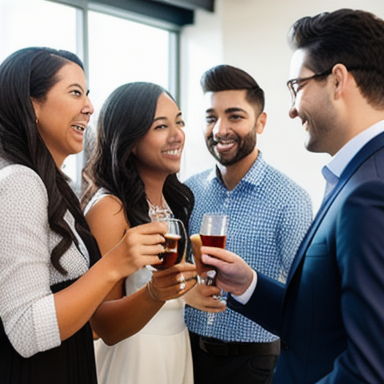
column 170, row 13
column 191, row 4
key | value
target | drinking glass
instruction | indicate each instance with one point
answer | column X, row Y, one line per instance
column 213, row 233
column 175, row 245
column 213, row 230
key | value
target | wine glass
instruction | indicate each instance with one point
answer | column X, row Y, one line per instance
column 213, row 233
column 175, row 245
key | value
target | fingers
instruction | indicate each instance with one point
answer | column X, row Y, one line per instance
column 151, row 228
column 218, row 253
column 196, row 245
column 175, row 281
column 196, row 249
column 179, row 286
column 175, row 275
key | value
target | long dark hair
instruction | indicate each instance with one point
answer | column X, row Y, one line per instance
column 126, row 117
column 26, row 74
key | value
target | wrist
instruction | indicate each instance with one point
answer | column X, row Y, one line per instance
column 245, row 294
column 151, row 292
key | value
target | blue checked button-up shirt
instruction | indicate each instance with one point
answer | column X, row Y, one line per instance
column 269, row 215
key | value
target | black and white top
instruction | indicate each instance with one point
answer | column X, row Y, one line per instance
column 27, row 307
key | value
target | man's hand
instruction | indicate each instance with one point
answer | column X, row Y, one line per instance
column 233, row 273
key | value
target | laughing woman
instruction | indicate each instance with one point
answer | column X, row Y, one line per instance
column 132, row 178
column 52, row 279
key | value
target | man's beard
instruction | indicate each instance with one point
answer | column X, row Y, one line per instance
column 245, row 146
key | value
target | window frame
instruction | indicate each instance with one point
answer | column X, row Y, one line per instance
column 82, row 49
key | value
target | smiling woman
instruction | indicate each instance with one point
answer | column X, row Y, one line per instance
column 63, row 115
column 132, row 177
column 52, row 279
column 84, row 36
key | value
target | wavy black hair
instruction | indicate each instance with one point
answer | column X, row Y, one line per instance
column 25, row 75
column 125, row 118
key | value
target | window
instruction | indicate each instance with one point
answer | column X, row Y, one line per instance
column 115, row 48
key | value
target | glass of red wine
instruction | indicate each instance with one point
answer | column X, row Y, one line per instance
column 175, row 245
column 213, row 230
column 213, row 233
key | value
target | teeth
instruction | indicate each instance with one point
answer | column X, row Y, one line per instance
column 226, row 142
column 78, row 127
column 172, row 152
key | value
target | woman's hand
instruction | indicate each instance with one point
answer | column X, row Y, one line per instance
column 172, row 282
column 139, row 246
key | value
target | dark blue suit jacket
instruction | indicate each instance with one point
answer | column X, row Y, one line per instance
column 330, row 314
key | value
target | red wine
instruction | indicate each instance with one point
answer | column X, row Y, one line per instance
column 213, row 241
column 170, row 256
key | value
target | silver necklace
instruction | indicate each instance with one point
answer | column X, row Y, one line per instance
column 157, row 212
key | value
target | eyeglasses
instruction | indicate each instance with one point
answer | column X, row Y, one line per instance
column 294, row 84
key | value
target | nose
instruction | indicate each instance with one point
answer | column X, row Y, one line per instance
column 177, row 134
column 219, row 129
column 293, row 111
column 88, row 108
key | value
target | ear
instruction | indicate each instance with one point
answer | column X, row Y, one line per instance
column 260, row 122
column 36, row 107
column 341, row 78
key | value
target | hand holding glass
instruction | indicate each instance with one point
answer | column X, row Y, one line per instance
column 213, row 232
column 175, row 244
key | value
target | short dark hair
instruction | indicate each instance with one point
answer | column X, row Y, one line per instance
column 225, row 78
column 354, row 38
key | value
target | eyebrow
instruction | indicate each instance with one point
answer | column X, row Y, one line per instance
column 78, row 85
column 227, row 111
column 165, row 118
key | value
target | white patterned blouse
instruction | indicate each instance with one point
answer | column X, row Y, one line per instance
column 27, row 307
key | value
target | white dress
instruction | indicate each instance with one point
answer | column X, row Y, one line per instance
column 160, row 353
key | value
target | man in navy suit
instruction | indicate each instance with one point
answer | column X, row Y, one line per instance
column 330, row 314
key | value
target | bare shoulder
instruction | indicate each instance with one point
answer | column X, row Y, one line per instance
column 107, row 221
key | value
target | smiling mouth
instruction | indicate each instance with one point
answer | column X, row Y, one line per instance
column 173, row 152
column 78, row 127
column 224, row 142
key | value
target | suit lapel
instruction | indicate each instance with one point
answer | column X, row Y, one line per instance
column 368, row 150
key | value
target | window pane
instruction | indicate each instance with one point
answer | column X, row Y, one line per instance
column 122, row 51
column 119, row 50
column 27, row 23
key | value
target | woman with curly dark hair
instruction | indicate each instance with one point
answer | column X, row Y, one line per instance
column 133, row 180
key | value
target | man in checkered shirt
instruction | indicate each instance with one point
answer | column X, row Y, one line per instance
column 268, row 217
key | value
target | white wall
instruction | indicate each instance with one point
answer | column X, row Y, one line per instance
column 252, row 35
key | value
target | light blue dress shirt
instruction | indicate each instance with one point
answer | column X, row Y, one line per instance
column 268, row 217
column 333, row 170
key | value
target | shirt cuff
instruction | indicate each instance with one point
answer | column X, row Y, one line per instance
column 244, row 297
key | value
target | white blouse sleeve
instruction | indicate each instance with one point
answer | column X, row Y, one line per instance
column 27, row 307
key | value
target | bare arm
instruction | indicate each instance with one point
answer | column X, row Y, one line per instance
column 34, row 318
column 76, row 304
column 122, row 316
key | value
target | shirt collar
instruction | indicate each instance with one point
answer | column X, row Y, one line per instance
column 341, row 159
column 253, row 176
